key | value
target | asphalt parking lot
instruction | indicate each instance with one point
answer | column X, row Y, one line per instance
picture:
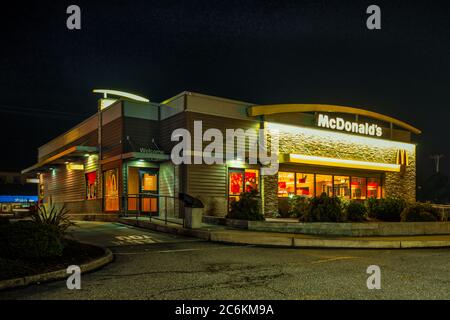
column 152, row 265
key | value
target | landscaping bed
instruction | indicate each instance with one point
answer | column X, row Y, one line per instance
column 39, row 245
column 73, row 253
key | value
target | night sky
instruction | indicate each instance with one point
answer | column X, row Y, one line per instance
column 257, row 51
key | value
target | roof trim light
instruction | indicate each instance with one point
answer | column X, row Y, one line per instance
column 122, row 94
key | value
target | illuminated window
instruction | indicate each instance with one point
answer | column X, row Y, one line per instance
column 324, row 183
column 111, row 190
column 286, row 184
column 251, row 180
column 341, row 186
column 149, row 182
column 359, row 188
column 242, row 180
column 91, row 185
column 373, row 188
column 305, row 184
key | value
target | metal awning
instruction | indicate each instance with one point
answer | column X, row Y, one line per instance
column 153, row 156
column 61, row 157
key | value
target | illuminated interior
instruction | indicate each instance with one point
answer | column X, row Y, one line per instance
column 111, row 199
column 240, row 180
column 310, row 185
column 295, row 183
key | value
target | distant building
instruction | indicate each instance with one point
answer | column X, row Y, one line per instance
column 17, row 192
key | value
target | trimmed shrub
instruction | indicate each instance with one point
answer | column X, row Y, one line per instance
column 284, row 208
column 246, row 208
column 356, row 211
column 28, row 240
column 298, row 206
column 420, row 212
column 386, row 209
column 324, row 209
column 371, row 203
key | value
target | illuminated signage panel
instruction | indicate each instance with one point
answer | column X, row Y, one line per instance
column 340, row 124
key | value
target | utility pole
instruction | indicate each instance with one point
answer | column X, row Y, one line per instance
column 436, row 158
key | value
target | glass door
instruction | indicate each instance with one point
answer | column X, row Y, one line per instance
column 148, row 187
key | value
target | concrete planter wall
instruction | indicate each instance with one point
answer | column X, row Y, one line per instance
column 355, row 229
column 364, row 229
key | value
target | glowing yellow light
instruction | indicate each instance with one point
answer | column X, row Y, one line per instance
column 340, row 137
column 74, row 166
column 105, row 103
column 341, row 163
column 120, row 94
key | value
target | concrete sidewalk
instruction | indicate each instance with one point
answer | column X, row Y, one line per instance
column 227, row 235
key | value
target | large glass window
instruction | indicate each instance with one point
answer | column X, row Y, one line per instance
column 111, row 190
column 341, row 186
column 310, row 184
column 305, row 184
column 240, row 180
column 373, row 188
column 91, row 185
column 324, row 183
column 251, row 180
column 359, row 188
column 286, row 184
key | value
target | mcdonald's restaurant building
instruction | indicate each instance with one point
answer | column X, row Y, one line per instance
column 123, row 150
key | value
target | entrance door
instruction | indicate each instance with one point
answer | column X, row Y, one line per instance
column 148, row 187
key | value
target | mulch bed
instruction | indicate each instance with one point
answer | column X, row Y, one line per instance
column 74, row 253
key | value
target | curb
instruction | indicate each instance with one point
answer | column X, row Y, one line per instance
column 58, row 274
column 278, row 240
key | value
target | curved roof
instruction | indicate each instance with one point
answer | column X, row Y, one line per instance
column 287, row 108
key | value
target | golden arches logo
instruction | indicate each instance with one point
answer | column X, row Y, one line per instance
column 402, row 157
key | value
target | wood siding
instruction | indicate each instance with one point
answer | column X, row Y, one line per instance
column 222, row 124
column 140, row 133
column 166, row 127
column 112, row 138
column 63, row 185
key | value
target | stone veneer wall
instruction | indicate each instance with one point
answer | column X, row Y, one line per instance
column 402, row 185
column 270, row 195
column 343, row 146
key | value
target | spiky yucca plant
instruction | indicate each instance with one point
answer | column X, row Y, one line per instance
column 54, row 217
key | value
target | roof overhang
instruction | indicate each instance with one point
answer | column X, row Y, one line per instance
column 288, row 108
column 147, row 156
column 59, row 158
column 338, row 163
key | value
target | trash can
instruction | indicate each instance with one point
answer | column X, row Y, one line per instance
column 193, row 211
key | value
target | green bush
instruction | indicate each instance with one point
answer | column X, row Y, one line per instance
column 371, row 204
column 356, row 211
column 386, row 209
column 420, row 212
column 53, row 217
column 324, row 209
column 298, row 206
column 284, row 208
column 29, row 240
column 246, row 208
